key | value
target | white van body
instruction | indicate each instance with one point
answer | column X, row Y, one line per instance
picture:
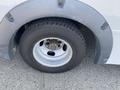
column 109, row 9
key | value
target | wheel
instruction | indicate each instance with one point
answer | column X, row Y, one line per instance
column 52, row 45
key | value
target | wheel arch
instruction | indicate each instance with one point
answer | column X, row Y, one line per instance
column 90, row 37
column 71, row 9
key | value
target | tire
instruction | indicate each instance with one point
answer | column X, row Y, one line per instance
column 61, row 29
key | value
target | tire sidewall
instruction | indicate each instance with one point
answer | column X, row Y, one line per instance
column 30, row 38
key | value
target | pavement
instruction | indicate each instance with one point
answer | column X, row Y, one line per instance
column 17, row 75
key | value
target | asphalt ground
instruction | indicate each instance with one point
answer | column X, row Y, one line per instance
column 17, row 75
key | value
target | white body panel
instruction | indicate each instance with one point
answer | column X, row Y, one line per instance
column 108, row 8
column 7, row 5
column 115, row 55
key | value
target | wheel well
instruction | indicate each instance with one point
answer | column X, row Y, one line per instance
column 87, row 33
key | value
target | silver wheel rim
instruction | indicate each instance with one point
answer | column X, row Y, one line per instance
column 52, row 52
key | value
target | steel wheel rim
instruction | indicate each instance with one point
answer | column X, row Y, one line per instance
column 52, row 52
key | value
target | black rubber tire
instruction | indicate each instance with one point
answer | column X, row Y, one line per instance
column 59, row 28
